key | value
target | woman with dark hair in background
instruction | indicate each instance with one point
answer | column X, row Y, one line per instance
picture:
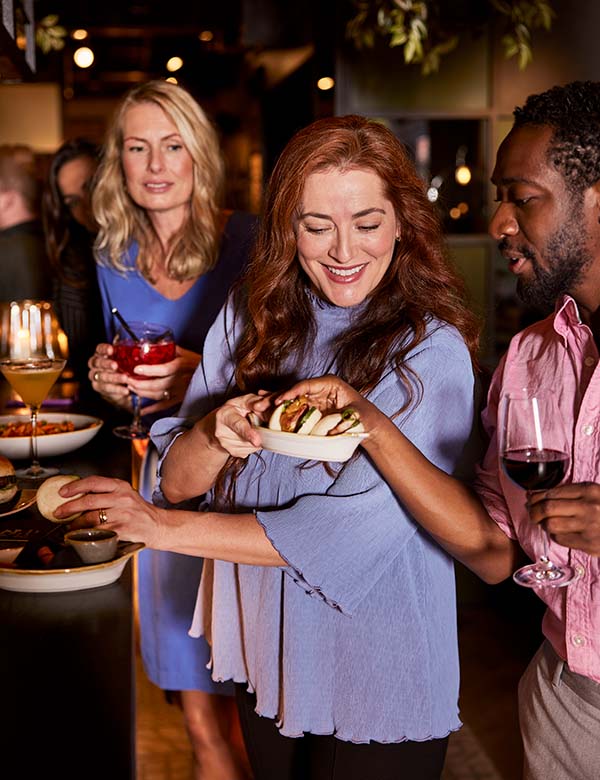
column 70, row 231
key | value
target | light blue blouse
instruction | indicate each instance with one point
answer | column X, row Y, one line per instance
column 356, row 636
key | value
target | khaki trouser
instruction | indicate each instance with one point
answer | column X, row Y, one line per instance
column 559, row 713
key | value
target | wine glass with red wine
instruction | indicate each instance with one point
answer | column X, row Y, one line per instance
column 153, row 344
column 534, row 451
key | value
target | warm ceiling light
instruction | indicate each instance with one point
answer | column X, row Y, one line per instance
column 206, row 35
column 79, row 35
column 463, row 174
column 174, row 63
column 83, row 57
column 433, row 194
column 325, row 83
column 172, row 80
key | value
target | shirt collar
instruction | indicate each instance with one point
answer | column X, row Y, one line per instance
column 566, row 316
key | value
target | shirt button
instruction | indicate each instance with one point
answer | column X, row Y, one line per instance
column 588, row 429
column 578, row 640
column 589, row 361
column 579, row 570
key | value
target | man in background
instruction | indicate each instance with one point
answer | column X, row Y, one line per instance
column 24, row 269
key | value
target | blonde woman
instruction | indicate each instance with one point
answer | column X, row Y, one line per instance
column 168, row 253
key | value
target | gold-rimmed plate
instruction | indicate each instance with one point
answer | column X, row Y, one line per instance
column 77, row 578
column 26, row 499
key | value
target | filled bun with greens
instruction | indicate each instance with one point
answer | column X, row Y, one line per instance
column 295, row 416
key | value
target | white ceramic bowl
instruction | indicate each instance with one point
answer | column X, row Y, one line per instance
column 50, row 444
column 336, row 449
column 10, row 548
column 58, row 580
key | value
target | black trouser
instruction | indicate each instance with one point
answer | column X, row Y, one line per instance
column 313, row 757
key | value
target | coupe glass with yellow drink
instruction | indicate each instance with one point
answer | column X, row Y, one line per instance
column 33, row 352
column 32, row 379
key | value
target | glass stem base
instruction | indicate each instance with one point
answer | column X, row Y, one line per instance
column 36, row 473
column 544, row 574
column 130, row 432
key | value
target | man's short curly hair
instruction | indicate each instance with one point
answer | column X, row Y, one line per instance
column 573, row 111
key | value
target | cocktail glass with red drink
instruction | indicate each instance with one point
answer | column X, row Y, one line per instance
column 153, row 344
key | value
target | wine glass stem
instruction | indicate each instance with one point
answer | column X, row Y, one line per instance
column 137, row 420
column 545, row 557
column 35, row 466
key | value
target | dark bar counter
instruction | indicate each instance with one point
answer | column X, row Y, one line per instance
column 67, row 659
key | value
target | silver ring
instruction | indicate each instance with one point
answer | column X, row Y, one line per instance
column 96, row 376
column 102, row 516
column 166, row 395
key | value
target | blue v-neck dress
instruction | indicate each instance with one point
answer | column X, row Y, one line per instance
column 168, row 582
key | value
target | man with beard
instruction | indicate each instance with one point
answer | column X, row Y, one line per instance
column 547, row 177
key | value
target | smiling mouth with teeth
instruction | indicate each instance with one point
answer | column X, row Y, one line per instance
column 345, row 272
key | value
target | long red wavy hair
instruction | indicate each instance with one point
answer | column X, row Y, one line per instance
column 419, row 283
column 274, row 296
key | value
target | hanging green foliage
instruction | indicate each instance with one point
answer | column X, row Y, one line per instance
column 428, row 29
column 49, row 34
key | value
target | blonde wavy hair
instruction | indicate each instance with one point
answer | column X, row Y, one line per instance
column 193, row 249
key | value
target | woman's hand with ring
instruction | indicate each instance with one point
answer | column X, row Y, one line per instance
column 166, row 383
column 115, row 505
column 106, row 378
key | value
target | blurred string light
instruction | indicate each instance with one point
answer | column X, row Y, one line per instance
column 174, row 63
column 79, row 35
column 325, row 83
column 83, row 57
column 433, row 191
column 206, row 35
column 459, row 211
column 462, row 174
column 172, row 80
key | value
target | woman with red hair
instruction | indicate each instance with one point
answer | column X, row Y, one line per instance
column 325, row 602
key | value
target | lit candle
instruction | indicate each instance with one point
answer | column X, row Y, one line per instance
column 22, row 345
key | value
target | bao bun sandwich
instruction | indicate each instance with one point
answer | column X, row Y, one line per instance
column 299, row 416
column 9, row 492
column 295, row 416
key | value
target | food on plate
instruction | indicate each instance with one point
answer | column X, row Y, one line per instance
column 48, row 498
column 295, row 416
column 299, row 416
column 9, row 492
column 346, row 421
column 44, row 428
column 46, row 555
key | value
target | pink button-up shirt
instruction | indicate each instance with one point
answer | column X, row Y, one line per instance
column 559, row 354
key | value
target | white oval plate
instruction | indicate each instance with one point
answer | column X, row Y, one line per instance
column 27, row 498
column 336, row 449
column 58, row 580
column 49, row 444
